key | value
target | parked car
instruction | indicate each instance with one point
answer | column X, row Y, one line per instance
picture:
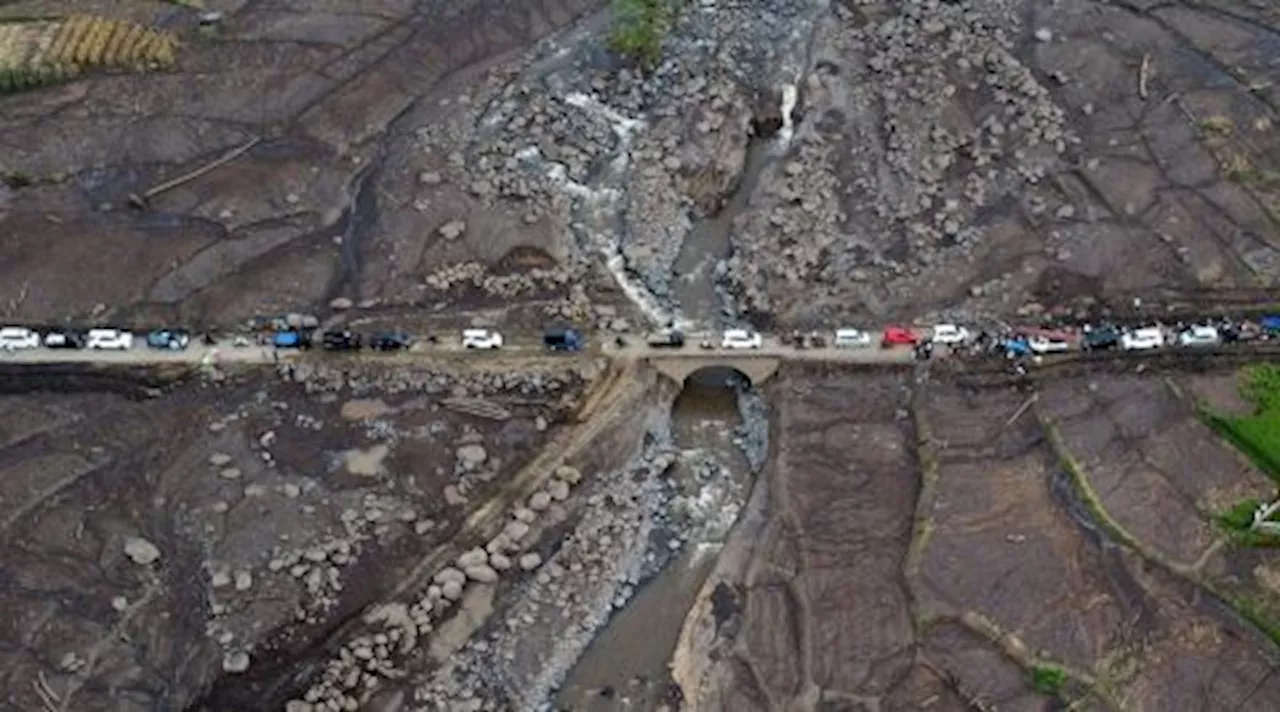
column 64, row 339
column 1200, row 336
column 1048, row 344
column 563, row 340
column 950, row 335
column 1245, row 331
column 481, row 339
column 341, row 340
column 14, row 338
column 1015, row 347
column 666, row 339
column 1270, row 325
column 851, row 339
column 289, row 339
column 1142, row 339
column 390, row 341
column 173, row 339
column 110, row 339
column 1100, row 338
column 898, row 336
column 741, row 339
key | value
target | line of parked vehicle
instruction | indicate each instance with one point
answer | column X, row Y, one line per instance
column 1012, row 342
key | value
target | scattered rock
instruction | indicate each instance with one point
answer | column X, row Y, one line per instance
column 219, row 459
column 515, row 530
column 430, row 178
column 1044, row 34
column 572, row 475
column 499, row 562
column 472, row 456
column 119, row 603
column 244, row 580
column 451, row 590
column 143, row 552
column 539, row 501
column 220, row 579
column 530, row 561
column 482, row 573
column 448, row 574
column 453, row 229
column 558, row 489
column 474, row 557
column 341, row 304
column 229, row 473
column 236, row 662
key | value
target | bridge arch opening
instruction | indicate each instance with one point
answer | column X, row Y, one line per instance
column 718, row 376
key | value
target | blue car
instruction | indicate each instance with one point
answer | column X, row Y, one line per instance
column 1270, row 324
column 1016, row 347
column 287, row 339
column 173, row 339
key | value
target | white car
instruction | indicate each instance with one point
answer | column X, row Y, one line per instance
column 741, row 339
column 1148, row 337
column 852, row 339
column 481, row 339
column 1047, row 345
column 13, row 338
column 1200, row 336
column 110, row 339
column 950, row 334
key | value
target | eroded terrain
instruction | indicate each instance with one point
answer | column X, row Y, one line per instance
column 360, row 536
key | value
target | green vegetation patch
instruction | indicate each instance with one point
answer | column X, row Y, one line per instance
column 639, row 27
column 1049, row 679
column 1256, row 435
column 1237, row 522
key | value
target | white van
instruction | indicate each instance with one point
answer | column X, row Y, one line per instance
column 112, row 339
column 741, row 339
column 481, row 339
column 14, row 338
column 852, row 339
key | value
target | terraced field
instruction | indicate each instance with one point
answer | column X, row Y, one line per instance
column 35, row 53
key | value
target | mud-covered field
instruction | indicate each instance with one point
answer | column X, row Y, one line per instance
column 156, row 549
column 389, row 538
column 925, row 544
column 791, row 162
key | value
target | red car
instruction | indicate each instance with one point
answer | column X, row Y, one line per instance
column 899, row 336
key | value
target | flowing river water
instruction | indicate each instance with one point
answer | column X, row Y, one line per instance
column 625, row 668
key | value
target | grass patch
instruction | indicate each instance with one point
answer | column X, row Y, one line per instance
column 1237, row 523
column 1253, row 611
column 1049, row 679
column 639, row 27
column 1256, row 435
column 1219, row 125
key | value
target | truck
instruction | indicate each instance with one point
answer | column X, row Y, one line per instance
column 562, row 340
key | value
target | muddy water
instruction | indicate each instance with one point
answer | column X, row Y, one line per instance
column 708, row 243
column 625, row 668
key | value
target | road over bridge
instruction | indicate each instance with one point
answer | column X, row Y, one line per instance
column 678, row 364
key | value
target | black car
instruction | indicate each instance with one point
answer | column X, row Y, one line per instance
column 341, row 340
column 390, row 341
column 666, row 339
column 1100, row 338
column 56, row 338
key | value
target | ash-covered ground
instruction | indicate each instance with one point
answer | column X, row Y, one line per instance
column 363, row 536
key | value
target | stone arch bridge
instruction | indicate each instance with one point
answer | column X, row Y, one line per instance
column 758, row 368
